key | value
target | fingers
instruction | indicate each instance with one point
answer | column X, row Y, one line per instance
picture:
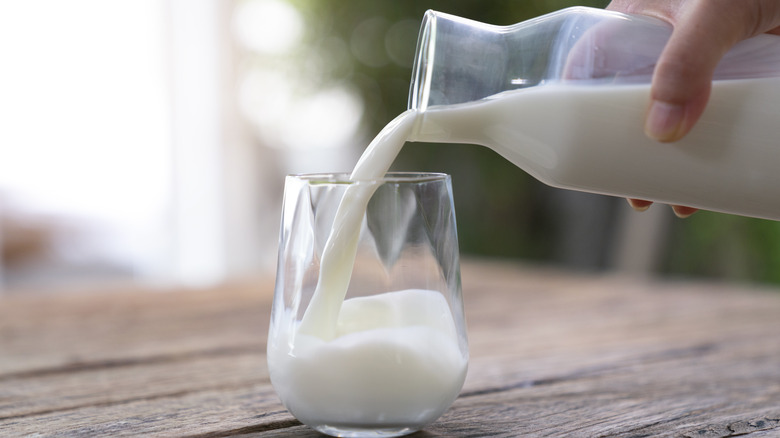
column 639, row 204
column 680, row 211
column 703, row 33
column 683, row 212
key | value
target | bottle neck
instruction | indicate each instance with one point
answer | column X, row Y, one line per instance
column 446, row 124
column 457, row 60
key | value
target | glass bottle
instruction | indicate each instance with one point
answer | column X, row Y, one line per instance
column 564, row 96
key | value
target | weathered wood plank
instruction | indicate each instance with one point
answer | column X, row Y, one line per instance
column 42, row 333
column 121, row 383
column 552, row 354
column 666, row 395
column 220, row 412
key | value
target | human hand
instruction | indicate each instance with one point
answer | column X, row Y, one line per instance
column 704, row 30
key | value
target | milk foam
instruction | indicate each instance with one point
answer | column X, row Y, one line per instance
column 395, row 361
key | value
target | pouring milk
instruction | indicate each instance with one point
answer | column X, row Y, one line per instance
column 603, row 150
column 581, row 135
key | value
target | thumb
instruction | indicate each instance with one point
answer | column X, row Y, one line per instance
column 682, row 79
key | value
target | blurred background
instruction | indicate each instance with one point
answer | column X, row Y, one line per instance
column 147, row 141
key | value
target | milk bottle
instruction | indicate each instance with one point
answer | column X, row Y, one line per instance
column 564, row 97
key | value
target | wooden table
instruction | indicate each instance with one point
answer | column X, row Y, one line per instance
column 552, row 354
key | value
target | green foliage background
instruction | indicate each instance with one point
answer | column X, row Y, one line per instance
column 503, row 212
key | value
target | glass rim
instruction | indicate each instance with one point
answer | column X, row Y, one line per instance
column 389, row 177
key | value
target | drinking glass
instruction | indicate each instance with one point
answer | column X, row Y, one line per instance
column 368, row 338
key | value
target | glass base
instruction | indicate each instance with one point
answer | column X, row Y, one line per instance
column 364, row 431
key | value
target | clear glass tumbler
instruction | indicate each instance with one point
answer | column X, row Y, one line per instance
column 373, row 343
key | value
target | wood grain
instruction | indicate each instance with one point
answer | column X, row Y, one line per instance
column 552, row 354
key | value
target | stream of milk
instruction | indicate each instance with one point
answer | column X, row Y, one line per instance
column 339, row 253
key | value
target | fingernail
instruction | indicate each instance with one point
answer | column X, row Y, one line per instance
column 639, row 205
column 683, row 212
column 664, row 121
